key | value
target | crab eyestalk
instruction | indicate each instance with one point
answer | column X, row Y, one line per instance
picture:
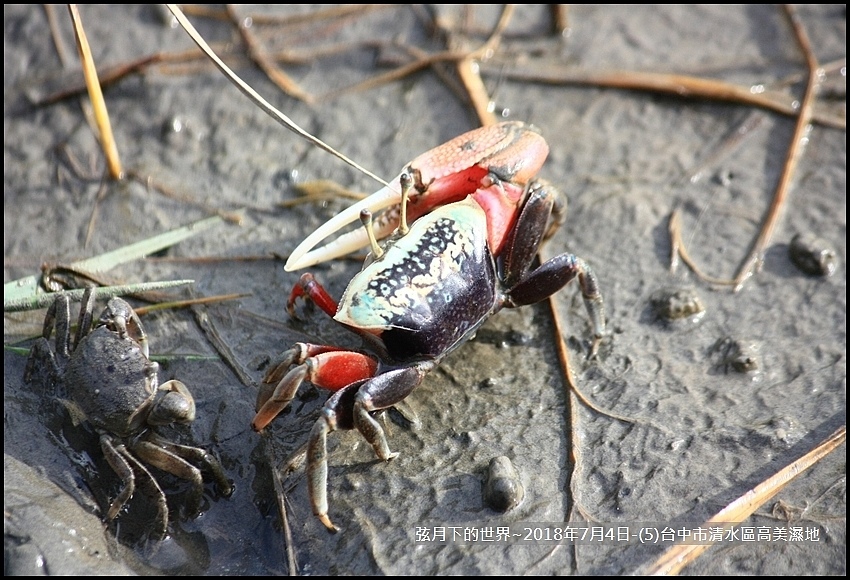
column 406, row 182
column 366, row 219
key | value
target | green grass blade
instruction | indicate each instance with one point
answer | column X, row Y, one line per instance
column 43, row 300
column 26, row 288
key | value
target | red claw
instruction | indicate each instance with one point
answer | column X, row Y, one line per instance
column 493, row 164
column 307, row 287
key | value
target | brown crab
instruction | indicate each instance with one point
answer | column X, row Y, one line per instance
column 107, row 375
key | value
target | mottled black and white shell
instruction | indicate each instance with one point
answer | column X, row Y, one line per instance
column 430, row 287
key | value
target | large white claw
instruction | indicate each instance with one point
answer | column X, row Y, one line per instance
column 305, row 256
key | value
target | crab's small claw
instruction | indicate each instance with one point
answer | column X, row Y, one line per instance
column 175, row 404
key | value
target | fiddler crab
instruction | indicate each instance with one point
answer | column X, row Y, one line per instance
column 462, row 233
column 108, row 377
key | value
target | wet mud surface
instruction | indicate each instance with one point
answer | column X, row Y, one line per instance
column 681, row 426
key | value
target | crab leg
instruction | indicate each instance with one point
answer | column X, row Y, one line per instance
column 510, row 152
column 327, row 369
column 84, row 323
column 186, row 453
column 351, row 408
column 162, row 456
column 127, row 466
column 528, row 286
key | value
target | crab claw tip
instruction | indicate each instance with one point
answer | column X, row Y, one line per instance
column 328, row 523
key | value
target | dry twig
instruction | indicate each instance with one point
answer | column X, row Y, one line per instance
column 677, row 557
column 107, row 140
